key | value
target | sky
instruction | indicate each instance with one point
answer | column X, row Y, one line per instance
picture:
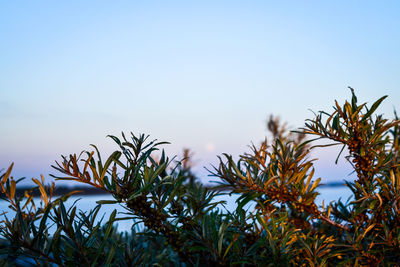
column 203, row 75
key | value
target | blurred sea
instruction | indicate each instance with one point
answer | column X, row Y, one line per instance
column 86, row 203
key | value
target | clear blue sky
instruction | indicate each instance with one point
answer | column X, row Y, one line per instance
column 203, row 75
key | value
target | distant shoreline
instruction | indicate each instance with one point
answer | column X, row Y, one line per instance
column 87, row 191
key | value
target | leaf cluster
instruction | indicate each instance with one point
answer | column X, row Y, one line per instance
column 178, row 221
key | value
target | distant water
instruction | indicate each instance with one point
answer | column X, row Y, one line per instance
column 86, row 203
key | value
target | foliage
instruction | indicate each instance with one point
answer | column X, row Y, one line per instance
column 177, row 221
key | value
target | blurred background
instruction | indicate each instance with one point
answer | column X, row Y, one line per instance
column 202, row 75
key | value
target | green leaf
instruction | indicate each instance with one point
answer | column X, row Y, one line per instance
column 335, row 123
column 55, row 244
column 373, row 108
column 244, row 199
column 353, row 99
column 110, row 255
column 114, row 156
column 221, row 233
column 107, row 202
column 341, row 150
column 157, row 171
column 63, row 212
column 105, row 237
column 43, row 221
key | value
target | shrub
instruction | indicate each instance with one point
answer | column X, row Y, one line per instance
column 179, row 223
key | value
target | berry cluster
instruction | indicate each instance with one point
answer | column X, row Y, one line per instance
column 283, row 195
column 156, row 220
column 362, row 159
column 173, row 238
column 369, row 260
column 176, row 208
column 300, row 223
column 153, row 219
column 360, row 218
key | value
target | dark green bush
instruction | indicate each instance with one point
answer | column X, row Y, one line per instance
column 179, row 222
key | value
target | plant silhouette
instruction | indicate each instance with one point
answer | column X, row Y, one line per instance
column 180, row 223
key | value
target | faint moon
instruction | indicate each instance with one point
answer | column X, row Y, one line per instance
column 210, row 147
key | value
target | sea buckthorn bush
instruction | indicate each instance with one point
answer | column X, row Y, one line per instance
column 178, row 221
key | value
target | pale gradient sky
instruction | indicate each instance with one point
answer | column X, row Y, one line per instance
column 203, row 75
